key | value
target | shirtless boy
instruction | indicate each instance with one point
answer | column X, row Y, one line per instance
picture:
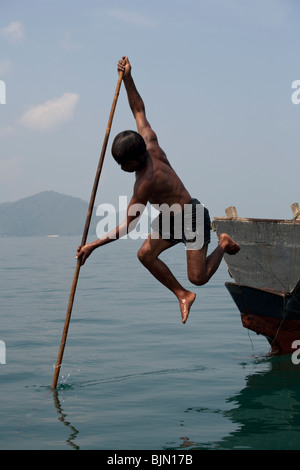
column 157, row 183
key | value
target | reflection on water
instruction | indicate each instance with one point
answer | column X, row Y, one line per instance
column 62, row 418
column 266, row 411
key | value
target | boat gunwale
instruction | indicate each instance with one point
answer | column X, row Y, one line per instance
column 247, row 219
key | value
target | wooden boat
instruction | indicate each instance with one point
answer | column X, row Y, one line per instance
column 266, row 274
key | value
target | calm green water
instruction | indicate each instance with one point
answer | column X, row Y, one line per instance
column 133, row 377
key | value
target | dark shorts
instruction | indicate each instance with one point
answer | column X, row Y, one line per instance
column 191, row 226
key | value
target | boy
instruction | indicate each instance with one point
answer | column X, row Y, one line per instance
column 156, row 182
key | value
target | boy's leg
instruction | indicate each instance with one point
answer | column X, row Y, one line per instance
column 201, row 267
column 148, row 255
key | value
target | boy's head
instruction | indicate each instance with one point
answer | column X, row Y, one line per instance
column 129, row 150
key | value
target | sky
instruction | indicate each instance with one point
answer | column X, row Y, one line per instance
column 216, row 77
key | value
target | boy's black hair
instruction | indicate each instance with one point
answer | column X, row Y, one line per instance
column 128, row 146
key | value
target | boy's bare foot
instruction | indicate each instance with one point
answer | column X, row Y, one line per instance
column 185, row 305
column 228, row 244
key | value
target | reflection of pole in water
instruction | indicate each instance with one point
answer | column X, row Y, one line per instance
column 62, row 418
column 186, row 442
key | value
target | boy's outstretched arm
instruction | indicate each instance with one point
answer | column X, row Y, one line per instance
column 135, row 102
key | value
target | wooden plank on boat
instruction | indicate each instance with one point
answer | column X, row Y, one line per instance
column 231, row 212
column 295, row 210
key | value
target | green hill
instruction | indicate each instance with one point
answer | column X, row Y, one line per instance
column 46, row 213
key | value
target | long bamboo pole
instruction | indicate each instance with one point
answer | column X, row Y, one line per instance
column 85, row 234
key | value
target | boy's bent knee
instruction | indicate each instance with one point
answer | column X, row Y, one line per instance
column 197, row 279
column 144, row 255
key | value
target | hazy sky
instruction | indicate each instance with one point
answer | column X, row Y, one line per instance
column 216, row 77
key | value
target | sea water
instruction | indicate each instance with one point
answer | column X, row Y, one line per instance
column 132, row 376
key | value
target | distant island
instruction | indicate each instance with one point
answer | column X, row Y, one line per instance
column 44, row 214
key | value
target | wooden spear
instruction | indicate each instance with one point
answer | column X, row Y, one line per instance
column 85, row 234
